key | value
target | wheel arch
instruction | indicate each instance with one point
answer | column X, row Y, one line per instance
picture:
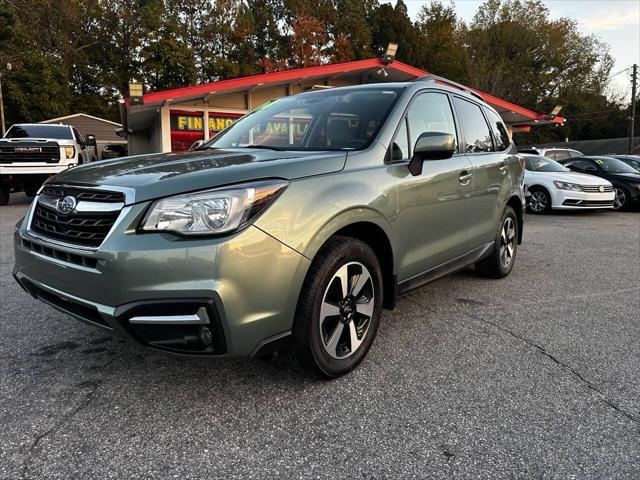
column 544, row 188
column 516, row 203
column 371, row 228
column 377, row 239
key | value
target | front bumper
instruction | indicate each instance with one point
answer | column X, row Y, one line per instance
column 570, row 200
column 248, row 283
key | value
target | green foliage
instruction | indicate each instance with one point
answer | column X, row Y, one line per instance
column 442, row 42
column 37, row 90
column 392, row 24
column 81, row 55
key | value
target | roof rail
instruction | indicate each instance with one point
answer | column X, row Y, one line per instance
column 446, row 81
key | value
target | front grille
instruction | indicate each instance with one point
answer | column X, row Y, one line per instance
column 588, row 203
column 62, row 255
column 83, row 195
column 47, row 154
column 596, row 188
column 84, row 312
column 84, row 228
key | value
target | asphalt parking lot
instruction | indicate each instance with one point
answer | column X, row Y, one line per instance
column 534, row 376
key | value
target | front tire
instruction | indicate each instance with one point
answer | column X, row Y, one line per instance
column 539, row 201
column 338, row 310
column 500, row 262
column 621, row 198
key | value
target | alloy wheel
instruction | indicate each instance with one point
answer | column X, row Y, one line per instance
column 619, row 199
column 538, row 201
column 346, row 310
column 507, row 242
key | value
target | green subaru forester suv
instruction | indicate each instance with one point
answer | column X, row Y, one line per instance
column 289, row 231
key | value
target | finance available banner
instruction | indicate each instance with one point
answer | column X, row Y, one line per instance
column 194, row 121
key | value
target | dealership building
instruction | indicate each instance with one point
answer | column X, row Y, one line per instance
column 172, row 120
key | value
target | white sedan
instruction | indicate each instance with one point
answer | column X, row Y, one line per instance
column 550, row 185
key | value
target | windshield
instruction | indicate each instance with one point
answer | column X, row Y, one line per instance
column 632, row 162
column 539, row 163
column 39, row 131
column 613, row 165
column 320, row 120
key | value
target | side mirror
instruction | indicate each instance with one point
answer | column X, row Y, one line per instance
column 431, row 146
column 90, row 140
column 197, row 144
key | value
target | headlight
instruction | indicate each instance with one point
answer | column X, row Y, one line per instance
column 212, row 211
column 69, row 152
column 567, row 186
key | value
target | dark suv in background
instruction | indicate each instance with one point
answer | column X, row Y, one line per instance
column 292, row 238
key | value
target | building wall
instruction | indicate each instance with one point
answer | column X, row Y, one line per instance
column 104, row 131
column 146, row 140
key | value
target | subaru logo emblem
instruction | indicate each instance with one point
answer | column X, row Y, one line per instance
column 66, row 205
column 601, row 188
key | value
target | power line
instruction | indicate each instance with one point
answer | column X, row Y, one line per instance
column 618, row 73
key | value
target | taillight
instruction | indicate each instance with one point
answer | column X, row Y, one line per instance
column 521, row 162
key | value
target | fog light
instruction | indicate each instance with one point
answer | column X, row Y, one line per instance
column 205, row 336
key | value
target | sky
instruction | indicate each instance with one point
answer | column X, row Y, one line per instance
column 616, row 22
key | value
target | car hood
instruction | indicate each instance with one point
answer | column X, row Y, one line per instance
column 159, row 175
column 573, row 177
column 13, row 141
column 625, row 177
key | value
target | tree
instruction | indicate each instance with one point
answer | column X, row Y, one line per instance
column 519, row 53
column 85, row 53
column 350, row 33
column 270, row 43
column 168, row 63
column 392, row 24
column 308, row 42
column 442, row 44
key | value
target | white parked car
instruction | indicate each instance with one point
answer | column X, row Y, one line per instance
column 551, row 185
column 554, row 153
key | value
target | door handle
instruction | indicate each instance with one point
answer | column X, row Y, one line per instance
column 503, row 169
column 465, row 177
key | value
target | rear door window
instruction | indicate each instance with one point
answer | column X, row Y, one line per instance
column 500, row 133
column 475, row 131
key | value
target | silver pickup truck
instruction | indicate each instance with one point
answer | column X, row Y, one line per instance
column 31, row 153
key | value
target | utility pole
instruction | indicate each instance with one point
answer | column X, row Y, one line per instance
column 2, row 125
column 1, row 108
column 634, row 84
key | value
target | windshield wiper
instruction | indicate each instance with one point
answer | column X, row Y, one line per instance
column 266, row 147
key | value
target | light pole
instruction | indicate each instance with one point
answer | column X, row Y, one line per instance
column 634, row 84
column 2, row 102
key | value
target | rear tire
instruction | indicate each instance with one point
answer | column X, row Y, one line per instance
column 503, row 255
column 539, row 201
column 5, row 192
column 336, row 320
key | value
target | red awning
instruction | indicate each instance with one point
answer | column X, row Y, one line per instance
column 361, row 70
